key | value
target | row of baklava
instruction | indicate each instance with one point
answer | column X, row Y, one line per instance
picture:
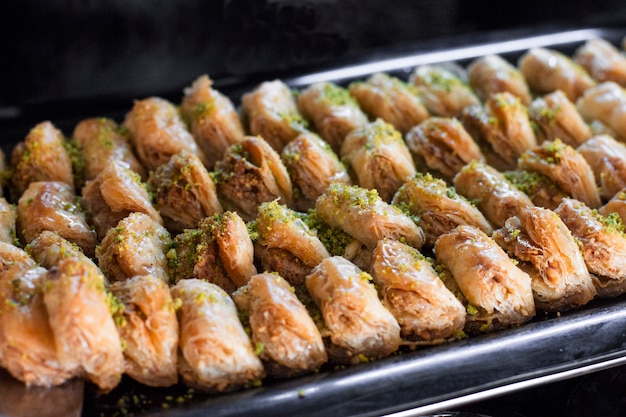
column 187, row 199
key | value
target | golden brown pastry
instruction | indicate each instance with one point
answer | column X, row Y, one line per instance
column 285, row 243
column 492, row 74
column 410, row 288
column 115, row 193
column 605, row 103
column 220, row 251
column 498, row 293
column 379, row 158
column 157, row 132
column 602, row 242
column 84, row 331
column 146, row 320
column 137, row 245
column 285, row 336
column 14, row 260
column 49, row 205
column 184, row 192
column 27, row 345
column 272, row 114
column 438, row 207
column 212, row 119
column 443, row 93
column 250, row 174
column 312, row 166
column 539, row 239
column 100, row 141
column 8, row 218
column 332, row 110
column 617, row 205
column 602, row 60
column 607, row 159
column 442, row 145
column 566, row 167
column 215, row 352
column 365, row 216
column 49, row 249
column 41, row 156
column 547, row 70
column 358, row 326
column 556, row 117
column 496, row 197
column 390, row 99
column 503, row 127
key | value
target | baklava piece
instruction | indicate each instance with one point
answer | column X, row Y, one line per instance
column 556, row 117
column 284, row 335
column 215, row 353
column 250, row 174
column 438, row 207
column 546, row 249
column 427, row 311
column 115, row 193
column 137, row 245
column 442, row 145
column 390, row 99
column 84, row 331
column 492, row 74
column 285, row 244
column 502, row 127
column 607, row 159
column 41, row 156
column 272, row 114
column 332, row 110
column 444, row 94
column 99, row 141
column 602, row 60
column 28, row 350
column 602, row 242
column 605, row 103
column 365, row 216
column 53, row 206
column 312, row 166
column 145, row 317
column 379, row 158
column 498, row 293
column 547, row 70
column 157, row 131
column 184, row 192
column 212, row 118
column 566, row 167
column 220, row 251
column 359, row 328
column 496, row 197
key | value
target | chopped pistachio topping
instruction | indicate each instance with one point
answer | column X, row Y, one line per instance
column 380, row 133
column 612, row 222
column 334, row 95
column 443, row 79
column 335, row 240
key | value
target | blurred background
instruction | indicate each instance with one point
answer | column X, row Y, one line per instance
column 64, row 50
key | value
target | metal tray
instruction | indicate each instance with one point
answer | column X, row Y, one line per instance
column 418, row 382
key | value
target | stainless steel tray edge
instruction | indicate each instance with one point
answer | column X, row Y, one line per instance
column 440, row 377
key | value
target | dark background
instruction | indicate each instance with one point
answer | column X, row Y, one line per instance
column 59, row 50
